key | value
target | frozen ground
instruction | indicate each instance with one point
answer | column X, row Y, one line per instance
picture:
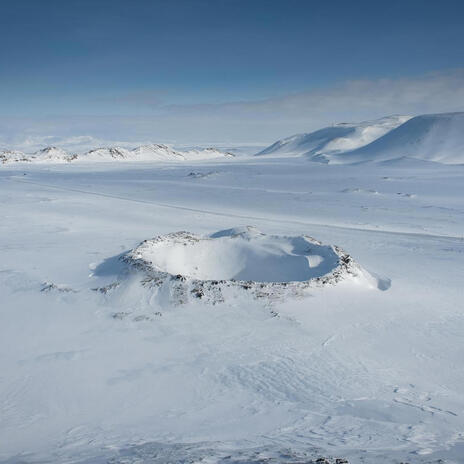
column 95, row 372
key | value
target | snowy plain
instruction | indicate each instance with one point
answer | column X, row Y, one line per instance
column 369, row 374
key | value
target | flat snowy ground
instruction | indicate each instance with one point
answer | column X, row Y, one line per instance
column 373, row 376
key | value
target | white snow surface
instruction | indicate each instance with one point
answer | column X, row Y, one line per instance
column 98, row 365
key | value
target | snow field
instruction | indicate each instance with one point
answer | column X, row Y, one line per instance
column 342, row 370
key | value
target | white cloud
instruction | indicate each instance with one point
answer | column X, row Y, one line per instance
column 248, row 121
column 434, row 92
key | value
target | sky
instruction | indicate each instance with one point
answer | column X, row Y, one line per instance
column 220, row 71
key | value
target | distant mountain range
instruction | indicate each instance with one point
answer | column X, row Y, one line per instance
column 153, row 152
column 430, row 137
column 433, row 137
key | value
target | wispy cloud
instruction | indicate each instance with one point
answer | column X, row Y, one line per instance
column 78, row 143
column 246, row 121
column 151, row 99
column 434, row 92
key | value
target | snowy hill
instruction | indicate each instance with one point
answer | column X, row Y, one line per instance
column 103, row 154
column 206, row 153
column 430, row 137
column 334, row 139
column 51, row 154
column 157, row 152
column 152, row 152
column 13, row 156
column 46, row 155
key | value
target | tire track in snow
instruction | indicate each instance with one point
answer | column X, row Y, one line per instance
column 279, row 220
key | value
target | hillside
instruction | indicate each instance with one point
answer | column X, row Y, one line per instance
column 430, row 137
column 334, row 139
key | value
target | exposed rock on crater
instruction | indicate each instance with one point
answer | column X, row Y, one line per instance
column 266, row 266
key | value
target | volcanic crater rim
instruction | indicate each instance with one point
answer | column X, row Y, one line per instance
column 240, row 255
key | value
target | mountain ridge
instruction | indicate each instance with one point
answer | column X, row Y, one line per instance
column 149, row 152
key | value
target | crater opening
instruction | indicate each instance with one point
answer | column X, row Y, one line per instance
column 240, row 255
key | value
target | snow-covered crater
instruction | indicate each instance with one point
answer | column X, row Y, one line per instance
column 266, row 265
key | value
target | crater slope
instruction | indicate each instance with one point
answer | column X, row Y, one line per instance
column 244, row 258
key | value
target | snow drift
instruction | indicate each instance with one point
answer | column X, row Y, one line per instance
column 245, row 258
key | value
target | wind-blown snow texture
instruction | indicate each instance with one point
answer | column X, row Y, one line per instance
column 98, row 365
column 434, row 137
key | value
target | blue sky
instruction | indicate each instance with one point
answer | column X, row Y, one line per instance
column 204, row 70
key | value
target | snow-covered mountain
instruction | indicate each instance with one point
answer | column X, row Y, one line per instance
column 13, row 156
column 157, row 152
column 52, row 155
column 334, row 139
column 46, row 155
column 104, row 154
column 206, row 153
column 431, row 137
column 152, row 152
